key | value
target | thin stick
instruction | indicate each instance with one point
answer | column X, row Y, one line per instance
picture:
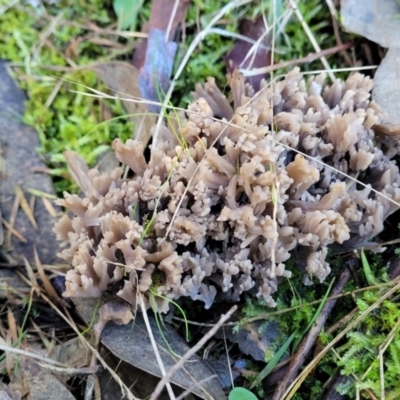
column 190, row 353
column 68, row 371
column 307, row 59
column 171, row 20
column 10, row 349
column 155, row 348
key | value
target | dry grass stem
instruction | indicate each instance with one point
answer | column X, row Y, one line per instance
column 190, row 353
column 13, row 231
column 25, row 206
column 66, row 371
column 155, row 348
column 11, row 222
column 32, row 281
column 45, row 280
column 290, row 309
column 304, row 60
column 13, row 350
column 312, row 39
column 302, row 376
column 171, row 20
column 53, row 93
column 49, row 207
column 125, row 390
column 309, row 341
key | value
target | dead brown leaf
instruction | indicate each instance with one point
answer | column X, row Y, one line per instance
column 42, row 384
column 122, row 78
column 254, row 338
column 130, row 343
column 238, row 57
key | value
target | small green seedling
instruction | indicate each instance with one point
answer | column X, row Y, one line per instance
column 369, row 275
column 240, row 393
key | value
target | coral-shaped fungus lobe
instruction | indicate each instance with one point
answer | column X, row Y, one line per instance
column 222, row 205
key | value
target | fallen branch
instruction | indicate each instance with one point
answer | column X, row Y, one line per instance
column 170, row 373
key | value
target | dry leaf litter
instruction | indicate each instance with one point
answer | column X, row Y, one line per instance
column 221, row 207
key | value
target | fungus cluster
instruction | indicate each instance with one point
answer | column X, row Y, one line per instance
column 233, row 191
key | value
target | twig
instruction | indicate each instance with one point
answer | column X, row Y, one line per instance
column 336, row 31
column 72, row 371
column 10, row 349
column 307, row 59
column 190, row 353
column 311, row 338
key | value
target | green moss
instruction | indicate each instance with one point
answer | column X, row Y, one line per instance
column 71, row 121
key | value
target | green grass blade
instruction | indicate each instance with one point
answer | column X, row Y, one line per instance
column 369, row 275
column 274, row 361
column 319, row 309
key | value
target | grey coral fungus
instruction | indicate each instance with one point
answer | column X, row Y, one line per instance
column 221, row 206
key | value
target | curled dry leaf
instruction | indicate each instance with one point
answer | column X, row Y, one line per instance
column 42, row 384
